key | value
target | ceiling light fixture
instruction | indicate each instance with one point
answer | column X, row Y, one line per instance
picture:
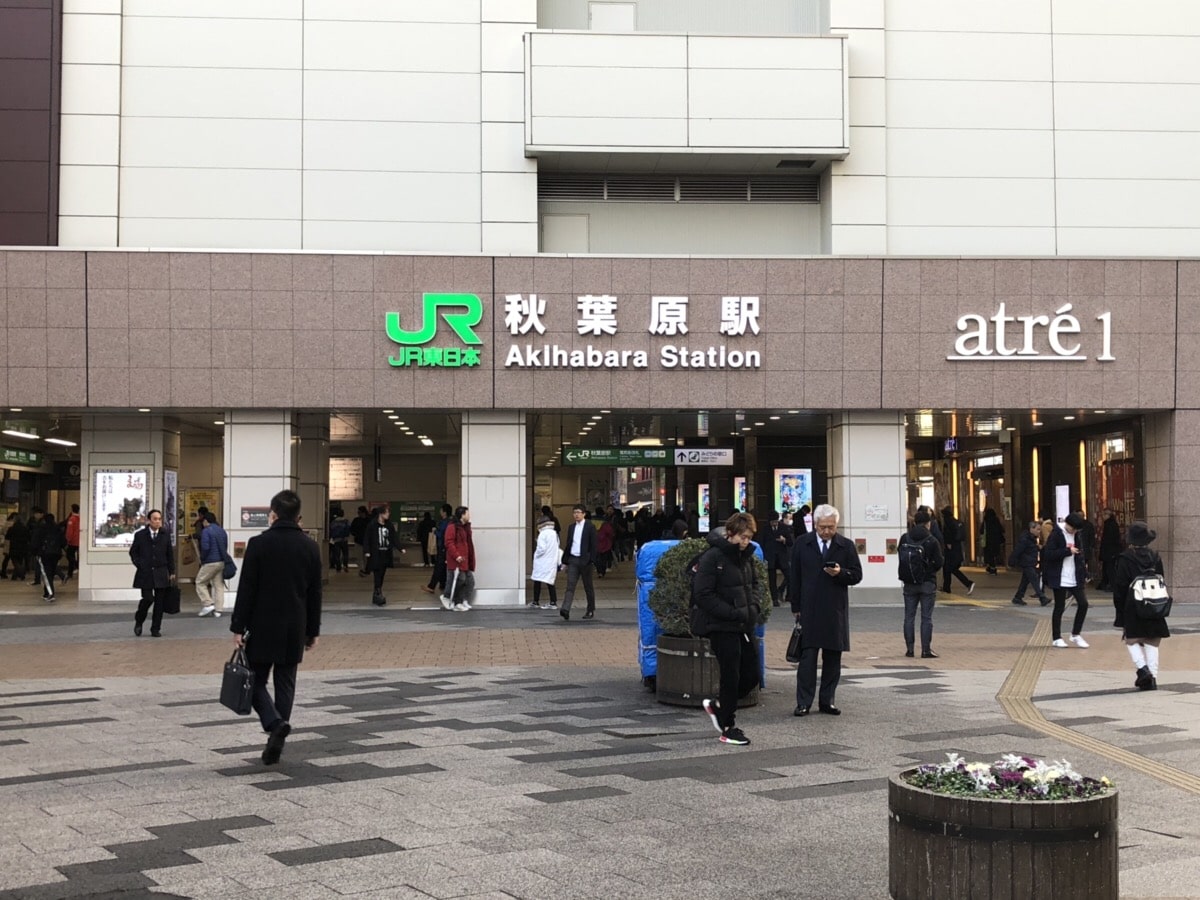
column 774, row 418
column 12, row 432
column 1068, row 418
column 427, row 442
column 386, row 411
column 62, row 442
column 144, row 409
column 646, row 442
column 14, row 409
column 218, row 421
column 760, row 424
column 1037, row 424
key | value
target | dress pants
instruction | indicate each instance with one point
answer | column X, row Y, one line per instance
column 806, row 676
column 271, row 711
column 922, row 596
column 150, row 596
column 1060, row 604
column 576, row 570
column 437, row 580
column 737, row 661
column 1030, row 577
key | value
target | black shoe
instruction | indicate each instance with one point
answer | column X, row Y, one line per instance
column 137, row 629
column 776, row 603
column 800, row 711
column 1045, row 601
column 155, row 633
column 830, row 710
column 565, row 613
column 909, row 652
column 378, row 600
column 1142, row 682
column 274, row 748
column 1019, row 601
column 928, row 654
column 589, row 615
column 1153, row 684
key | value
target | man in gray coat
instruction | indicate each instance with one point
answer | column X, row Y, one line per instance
column 824, row 566
column 278, row 614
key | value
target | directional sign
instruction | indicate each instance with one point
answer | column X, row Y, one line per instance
column 616, row 456
column 703, row 456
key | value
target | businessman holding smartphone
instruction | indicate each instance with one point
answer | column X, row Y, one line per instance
column 824, row 566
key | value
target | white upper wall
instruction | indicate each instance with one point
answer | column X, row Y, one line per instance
column 1066, row 127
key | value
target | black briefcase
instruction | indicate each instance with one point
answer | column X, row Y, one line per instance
column 793, row 647
column 171, row 601
column 237, row 684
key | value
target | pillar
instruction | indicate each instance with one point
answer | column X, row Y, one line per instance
column 262, row 451
column 145, row 446
column 866, row 484
column 313, row 476
column 494, row 477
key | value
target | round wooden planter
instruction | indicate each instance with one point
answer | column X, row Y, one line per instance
column 687, row 673
column 966, row 849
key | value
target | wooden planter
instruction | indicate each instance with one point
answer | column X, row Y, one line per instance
column 966, row 849
column 687, row 672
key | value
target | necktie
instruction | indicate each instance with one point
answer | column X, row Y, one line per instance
column 824, row 549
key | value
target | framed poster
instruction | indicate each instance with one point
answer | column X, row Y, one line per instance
column 793, row 489
column 345, row 477
column 702, row 506
column 120, row 501
column 739, row 492
column 170, row 508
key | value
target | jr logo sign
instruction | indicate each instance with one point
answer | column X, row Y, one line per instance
column 462, row 312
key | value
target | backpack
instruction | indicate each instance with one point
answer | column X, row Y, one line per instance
column 914, row 567
column 1150, row 597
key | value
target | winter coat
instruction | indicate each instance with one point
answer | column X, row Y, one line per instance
column 1025, row 554
column 1054, row 556
column 18, row 540
column 1110, row 538
column 72, row 530
column 379, row 543
column 279, row 595
column 931, row 547
column 154, row 559
column 993, row 532
column 768, row 539
column 545, row 555
column 724, row 590
column 822, row 600
column 604, row 537
column 953, row 536
column 1132, row 562
column 460, row 547
column 214, row 544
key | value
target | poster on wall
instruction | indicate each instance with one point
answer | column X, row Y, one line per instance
column 170, row 508
column 793, row 489
column 194, row 498
column 702, row 506
column 1062, row 503
column 345, row 477
column 739, row 492
column 120, row 499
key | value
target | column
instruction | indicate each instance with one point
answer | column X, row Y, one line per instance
column 261, row 459
column 866, row 484
column 135, row 451
column 313, row 477
column 494, row 481
column 1171, row 450
column 856, row 187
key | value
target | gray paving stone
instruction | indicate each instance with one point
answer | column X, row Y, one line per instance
column 345, row 850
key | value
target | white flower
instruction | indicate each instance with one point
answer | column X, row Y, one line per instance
column 977, row 767
column 954, row 761
column 1066, row 771
column 983, row 778
column 1011, row 762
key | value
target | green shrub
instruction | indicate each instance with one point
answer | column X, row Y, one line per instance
column 671, row 598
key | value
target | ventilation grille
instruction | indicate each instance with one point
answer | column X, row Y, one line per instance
column 683, row 189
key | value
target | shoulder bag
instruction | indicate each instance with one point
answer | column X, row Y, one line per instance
column 237, row 684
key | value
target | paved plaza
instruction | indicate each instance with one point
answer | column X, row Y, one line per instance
column 507, row 754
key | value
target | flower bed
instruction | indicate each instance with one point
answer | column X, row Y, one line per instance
column 1011, row 777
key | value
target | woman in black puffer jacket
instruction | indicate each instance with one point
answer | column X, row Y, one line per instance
column 1142, row 636
column 726, row 612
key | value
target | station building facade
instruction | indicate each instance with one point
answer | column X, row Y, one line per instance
column 919, row 229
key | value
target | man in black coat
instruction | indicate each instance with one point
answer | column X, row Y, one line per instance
column 1110, row 548
column 776, row 541
column 579, row 555
column 278, row 614
column 824, row 566
column 154, row 559
column 379, row 542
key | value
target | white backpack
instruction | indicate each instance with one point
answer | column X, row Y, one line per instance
column 1151, row 600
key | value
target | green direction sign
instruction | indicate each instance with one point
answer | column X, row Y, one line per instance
column 15, row 457
column 616, row 456
column 461, row 312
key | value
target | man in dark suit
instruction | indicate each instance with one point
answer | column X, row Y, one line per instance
column 278, row 614
column 154, row 559
column 824, row 566
column 776, row 542
column 579, row 555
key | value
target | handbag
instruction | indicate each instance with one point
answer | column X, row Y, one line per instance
column 230, row 568
column 431, row 544
column 171, row 600
column 237, row 683
column 793, row 647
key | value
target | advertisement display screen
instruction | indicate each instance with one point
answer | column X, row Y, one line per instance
column 702, row 504
column 120, row 499
column 739, row 493
column 793, row 489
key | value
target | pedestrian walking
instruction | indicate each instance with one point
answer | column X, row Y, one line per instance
column 210, row 579
column 1110, row 548
column 358, row 533
column 1065, row 573
column 277, row 615
column 546, row 559
column 424, row 529
column 460, row 561
column 824, row 567
column 992, row 530
column 727, row 608
column 153, row 559
column 17, row 550
column 437, row 581
column 49, row 554
column 339, row 538
column 1026, row 557
column 579, row 556
column 71, row 534
column 379, row 545
column 1142, row 636
column 954, row 533
column 919, row 566
column 605, row 535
